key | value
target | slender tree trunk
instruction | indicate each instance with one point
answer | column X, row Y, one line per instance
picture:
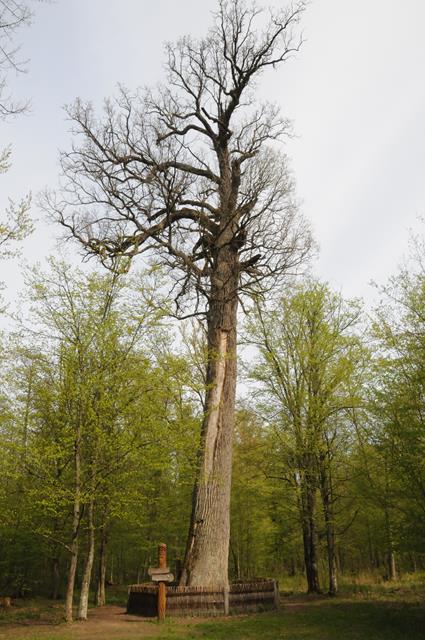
column 88, row 567
column 26, row 416
column 207, row 550
column 123, row 567
column 370, row 545
column 293, row 566
column 332, row 565
column 413, row 562
column 55, row 567
column 310, row 535
column 392, row 568
column 69, row 599
column 236, row 560
column 111, row 573
column 391, row 563
column 339, row 561
column 326, row 493
column 101, row 579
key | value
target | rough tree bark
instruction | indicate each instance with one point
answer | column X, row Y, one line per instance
column 207, row 552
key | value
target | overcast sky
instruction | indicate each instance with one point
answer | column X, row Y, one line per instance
column 355, row 93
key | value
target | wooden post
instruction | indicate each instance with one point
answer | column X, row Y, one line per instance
column 161, row 575
column 162, row 593
column 226, row 600
column 276, row 594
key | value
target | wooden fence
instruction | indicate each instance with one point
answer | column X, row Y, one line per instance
column 241, row 597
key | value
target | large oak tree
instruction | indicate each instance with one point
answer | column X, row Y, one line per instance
column 190, row 175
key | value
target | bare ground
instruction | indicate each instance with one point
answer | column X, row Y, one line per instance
column 110, row 622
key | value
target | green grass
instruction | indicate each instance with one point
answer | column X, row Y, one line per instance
column 376, row 611
column 36, row 610
column 320, row 620
column 331, row 620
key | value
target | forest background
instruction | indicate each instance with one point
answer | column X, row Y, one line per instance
column 101, row 399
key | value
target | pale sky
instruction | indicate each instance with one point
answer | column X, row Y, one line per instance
column 355, row 93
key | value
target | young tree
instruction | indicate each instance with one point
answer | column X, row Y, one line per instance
column 309, row 369
column 252, row 536
column 191, row 177
column 84, row 430
column 396, row 405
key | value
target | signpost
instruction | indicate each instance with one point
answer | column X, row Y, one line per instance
column 162, row 575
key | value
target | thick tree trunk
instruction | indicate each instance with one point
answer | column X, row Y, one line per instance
column 88, row 567
column 101, row 579
column 207, row 550
column 308, row 515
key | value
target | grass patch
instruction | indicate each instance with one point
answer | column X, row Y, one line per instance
column 37, row 611
column 379, row 611
column 330, row 620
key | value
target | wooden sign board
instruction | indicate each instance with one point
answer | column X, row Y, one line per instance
column 153, row 571
column 162, row 577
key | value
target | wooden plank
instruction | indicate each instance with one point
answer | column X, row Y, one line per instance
column 153, row 571
column 163, row 577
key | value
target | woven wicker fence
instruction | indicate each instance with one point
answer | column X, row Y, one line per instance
column 241, row 597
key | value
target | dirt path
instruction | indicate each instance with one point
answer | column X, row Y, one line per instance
column 104, row 623
column 113, row 623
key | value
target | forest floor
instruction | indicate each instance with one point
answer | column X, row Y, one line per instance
column 392, row 612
